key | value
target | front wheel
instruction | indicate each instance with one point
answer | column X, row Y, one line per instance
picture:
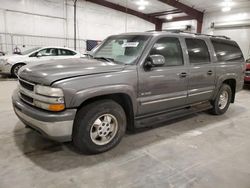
column 99, row 126
column 222, row 101
column 15, row 69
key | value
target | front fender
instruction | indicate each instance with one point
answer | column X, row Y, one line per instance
column 86, row 94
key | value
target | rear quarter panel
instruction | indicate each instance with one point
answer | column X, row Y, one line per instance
column 229, row 70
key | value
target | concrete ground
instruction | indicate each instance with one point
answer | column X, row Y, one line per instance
column 197, row 151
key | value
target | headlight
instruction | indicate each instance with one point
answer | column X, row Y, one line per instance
column 3, row 60
column 48, row 91
column 51, row 98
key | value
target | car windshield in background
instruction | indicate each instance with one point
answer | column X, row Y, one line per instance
column 30, row 50
column 124, row 49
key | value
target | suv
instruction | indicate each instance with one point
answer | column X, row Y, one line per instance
column 129, row 81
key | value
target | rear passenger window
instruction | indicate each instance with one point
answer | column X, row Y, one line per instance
column 227, row 50
column 170, row 48
column 66, row 52
column 197, row 51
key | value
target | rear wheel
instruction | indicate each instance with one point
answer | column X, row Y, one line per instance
column 222, row 101
column 15, row 69
column 99, row 126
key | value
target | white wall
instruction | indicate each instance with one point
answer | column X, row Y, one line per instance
column 98, row 22
column 54, row 18
column 180, row 25
column 241, row 35
column 28, row 24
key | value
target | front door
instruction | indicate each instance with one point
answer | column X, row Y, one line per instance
column 201, row 82
column 44, row 54
column 163, row 88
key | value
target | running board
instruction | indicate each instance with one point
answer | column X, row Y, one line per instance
column 151, row 120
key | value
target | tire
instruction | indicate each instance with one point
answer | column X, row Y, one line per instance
column 220, row 107
column 15, row 69
column 89, row 133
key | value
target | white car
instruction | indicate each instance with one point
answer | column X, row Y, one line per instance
column 9, row 65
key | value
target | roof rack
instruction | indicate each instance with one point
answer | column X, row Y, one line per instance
column 198, row 34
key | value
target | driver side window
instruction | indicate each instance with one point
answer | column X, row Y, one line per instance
column 170, row 49
column 48, row 52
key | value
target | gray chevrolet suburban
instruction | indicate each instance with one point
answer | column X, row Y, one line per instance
column 129, row 81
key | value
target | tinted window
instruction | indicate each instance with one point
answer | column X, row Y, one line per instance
column 197, row 51
column 170, row 48
column 227, row 50
column 63, row 52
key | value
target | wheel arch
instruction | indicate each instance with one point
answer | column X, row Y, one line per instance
column 232, row 83
column 121, row 98
column 19, row 63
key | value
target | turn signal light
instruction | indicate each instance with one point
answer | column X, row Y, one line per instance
column 56, row 107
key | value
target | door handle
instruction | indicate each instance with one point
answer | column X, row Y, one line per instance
column 209, row 72
column 183, row 75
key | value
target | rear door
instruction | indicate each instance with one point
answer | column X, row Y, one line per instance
column 165, row 87
column 66, row 54
column 201, row 76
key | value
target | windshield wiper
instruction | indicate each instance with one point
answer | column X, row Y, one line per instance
column 105, row 58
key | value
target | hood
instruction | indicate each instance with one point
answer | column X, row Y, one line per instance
column 48, row 72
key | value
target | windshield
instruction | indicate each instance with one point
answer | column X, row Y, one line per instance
column 30, row 50
column 123, row 49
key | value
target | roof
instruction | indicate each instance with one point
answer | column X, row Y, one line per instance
column 66, row 48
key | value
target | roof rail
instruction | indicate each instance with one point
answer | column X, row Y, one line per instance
column 199, row 34
column 166, row 30
column 217, row 36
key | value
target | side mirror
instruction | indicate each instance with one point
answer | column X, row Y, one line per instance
column 38, row 55
column 155, row 61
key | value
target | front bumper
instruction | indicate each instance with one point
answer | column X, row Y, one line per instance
column 247, row 80
column 5, row 68
column 56, row 126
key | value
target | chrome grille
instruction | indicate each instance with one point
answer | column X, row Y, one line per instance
column 26, row 90
column 27, row 85
column 26, row 98
column 248, row 73
column 28, row 95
